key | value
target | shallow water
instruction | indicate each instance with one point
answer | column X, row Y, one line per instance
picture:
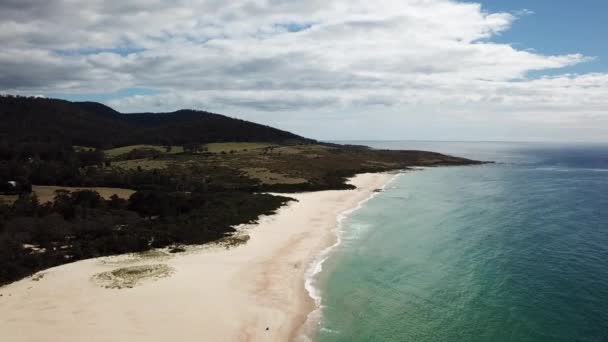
column 516, row 251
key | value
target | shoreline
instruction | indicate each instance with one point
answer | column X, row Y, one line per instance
column 316, row 267
column 253, row 292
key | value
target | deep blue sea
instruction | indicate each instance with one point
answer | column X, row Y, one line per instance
column 516, row 251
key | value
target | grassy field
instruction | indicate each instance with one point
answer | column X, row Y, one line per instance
column 309, row 150
column 115, row 152
column 235, row 165
column 236, row 147
column 268, row 177
column 144, row 164
column 240, row 147
column 252, row 159
column 46, row 193
column 8, row 199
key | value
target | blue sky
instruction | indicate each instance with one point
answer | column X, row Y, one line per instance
column 558, row 27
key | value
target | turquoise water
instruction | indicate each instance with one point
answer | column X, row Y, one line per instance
column 516, row 251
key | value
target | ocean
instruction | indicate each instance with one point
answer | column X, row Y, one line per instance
column 513, row 251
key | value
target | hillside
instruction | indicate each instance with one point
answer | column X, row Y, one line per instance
column 96, row 125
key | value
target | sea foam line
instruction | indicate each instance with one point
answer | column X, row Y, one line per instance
column 316, row 266
column 570, row 169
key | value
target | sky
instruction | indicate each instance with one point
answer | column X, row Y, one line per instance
column 534, row 70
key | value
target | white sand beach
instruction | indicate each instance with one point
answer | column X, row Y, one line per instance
column 252, row 292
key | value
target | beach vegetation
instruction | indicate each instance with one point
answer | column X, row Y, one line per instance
column 131, row 276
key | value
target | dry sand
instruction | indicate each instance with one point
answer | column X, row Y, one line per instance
column 206, row 294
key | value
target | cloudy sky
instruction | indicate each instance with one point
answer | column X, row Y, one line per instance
column 327, row 69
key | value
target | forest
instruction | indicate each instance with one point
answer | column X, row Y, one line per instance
column 96, row 125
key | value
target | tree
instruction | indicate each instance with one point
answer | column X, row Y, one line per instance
column 26, row 205
column 117, row 203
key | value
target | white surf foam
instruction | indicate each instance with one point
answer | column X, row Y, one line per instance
column 316, row 267
column 574, row 169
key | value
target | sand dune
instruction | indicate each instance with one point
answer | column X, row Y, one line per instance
column 252, row 292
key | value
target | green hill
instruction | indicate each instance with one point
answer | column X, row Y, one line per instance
column 96, row 125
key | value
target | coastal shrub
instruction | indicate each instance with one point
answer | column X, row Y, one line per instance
column 81, row 224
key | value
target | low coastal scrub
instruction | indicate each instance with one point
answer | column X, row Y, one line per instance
column 128, row 277
column 82, row 224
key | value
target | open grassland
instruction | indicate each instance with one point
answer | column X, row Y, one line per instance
column 115, row 152
column 143, row 164
column 276, row 167
column 260, row 162
column 307, row 150
column 244, row 147
column 266, row 176
column 227, row 147
column 8, row 199
column 46, row 193
column 235, row 147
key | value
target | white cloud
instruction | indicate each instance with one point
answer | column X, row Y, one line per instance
column 390, row 59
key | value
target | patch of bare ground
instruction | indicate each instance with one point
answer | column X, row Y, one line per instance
column 132, row 258
column 131, row 276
